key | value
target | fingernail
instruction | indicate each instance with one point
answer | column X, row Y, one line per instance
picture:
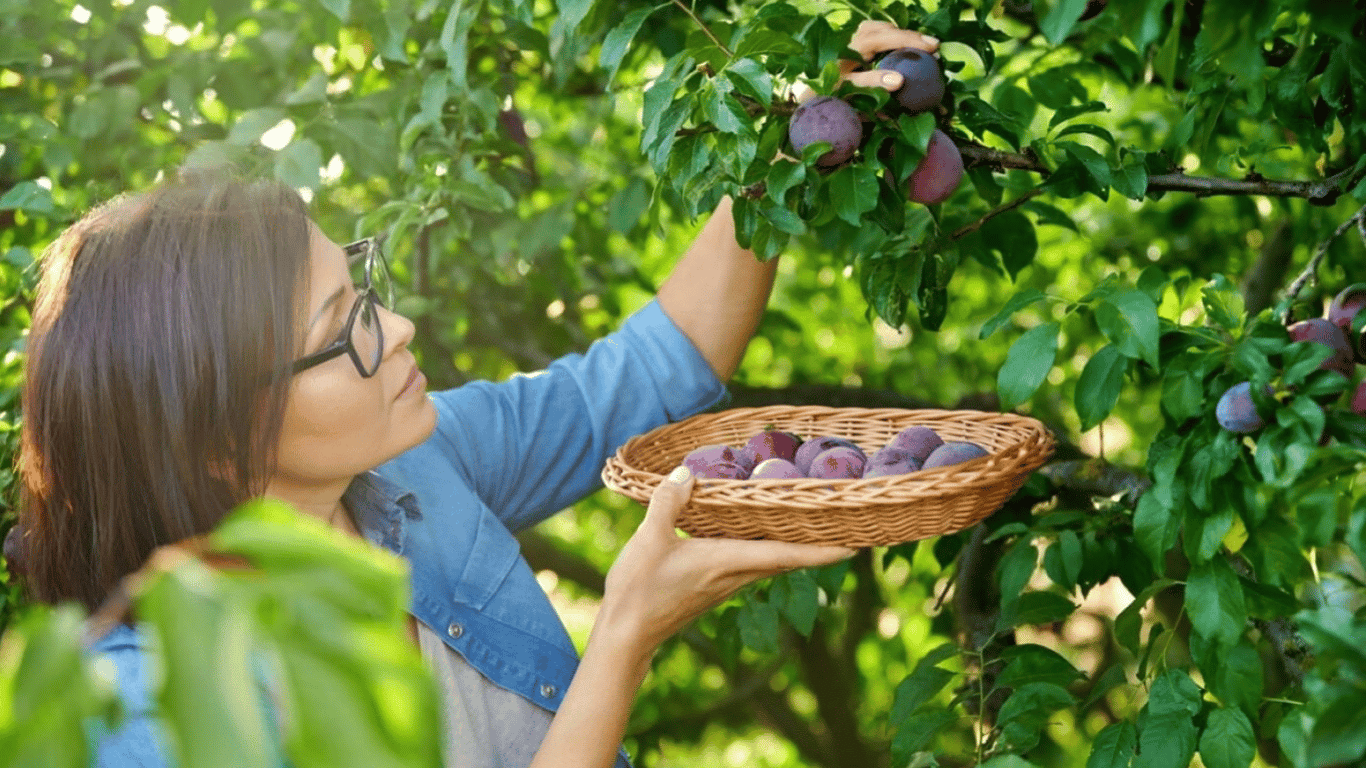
column 930, row 40
column 680, row 475
column 891, row 79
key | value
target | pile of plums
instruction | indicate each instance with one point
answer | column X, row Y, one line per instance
column 777, row 455
column 1236, row 410
column 829, row 119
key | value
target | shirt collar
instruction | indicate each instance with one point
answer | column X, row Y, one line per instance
column 381, row 508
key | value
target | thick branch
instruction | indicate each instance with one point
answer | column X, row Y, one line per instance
column 1268, row 273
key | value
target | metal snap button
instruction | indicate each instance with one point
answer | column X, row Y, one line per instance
column 549, row 691
column 455, row 630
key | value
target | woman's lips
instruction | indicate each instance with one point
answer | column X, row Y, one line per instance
column 414, row 377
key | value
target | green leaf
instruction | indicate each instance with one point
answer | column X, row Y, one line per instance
column 1131, row 178
column 1227, row 741
column 915, row 690
column 1129, row 622
column 618, row 40
column 1029, row 708
column 339, row 8
column 1129, row 320
column 915, row 734
column 299, row 164
column 783, row 175
column 720, row 107
column 802, row 602
column 1167, row 741
column 1035, row 608
column 1033, row 663
column 1114, row 746
column 758, row 624
column 1060, row 20
column 1016, row 568
column 750, row 77
column 1027, row 365
column 1050, row 214
column 27, row 196
column 1091, row 160
column 1214, row 602
column 853, row 190
column 1012, row 235
column 1088, row 129
column 250, row 125
column 1099, row 385
column 1017, row 302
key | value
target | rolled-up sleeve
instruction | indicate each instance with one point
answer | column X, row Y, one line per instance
column 536, row 443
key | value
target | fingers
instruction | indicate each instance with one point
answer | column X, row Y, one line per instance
column 873, row 37
column 877, row 78
column 669, row 499
column 757, row 559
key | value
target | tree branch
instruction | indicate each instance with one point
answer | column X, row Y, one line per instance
column 706, row 30
column 997, row 211
column 1314, row 261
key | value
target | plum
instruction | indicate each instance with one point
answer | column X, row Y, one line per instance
column 775, row 469
column 891, row 460
column 1236, row 410
column 747, row 457
column 826, row 118
column 772, row 444
column 817, row 445
column 1359, row 399
column 722, row 470
column 1324, row 332
column 710, row 454
column 953, row 452
column 1343, row 309
column 918, row 440
column 839, row 463
column 923, row 81
column 938, row 174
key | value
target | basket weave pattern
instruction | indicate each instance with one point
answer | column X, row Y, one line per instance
column 853, row 513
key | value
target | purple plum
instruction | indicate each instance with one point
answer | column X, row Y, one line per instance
column 891, row 460
column 953, row 452
column 939, row 174
column 722, row 470
column 1236, row 410
column 772, row 444
column 710, row 454
column 922, row 84
column 826, row 118
column 839, row 463
column 747, row 457
column 808, row 450
column 1325, row 332
column 919, row 441
column 1343, row 309
column 775, row 469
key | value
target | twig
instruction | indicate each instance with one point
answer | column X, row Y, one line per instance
column 997, row 211
column 1321, row 251
column 705, row 29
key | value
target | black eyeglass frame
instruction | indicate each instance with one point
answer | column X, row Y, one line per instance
column 369, row 250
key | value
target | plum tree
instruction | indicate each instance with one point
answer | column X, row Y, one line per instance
column 953, row 452
column 839, row 463
column 828, row 119
column 917, row 440
column 891, row 460
column 775, row 469
column 1236, row 410
column 773, row 444
column 1322, row 331
column 922, row 87
column 808, row 451
column 938, row 174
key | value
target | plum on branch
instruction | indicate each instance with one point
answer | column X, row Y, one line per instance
column 828, row 119
column 922, row 86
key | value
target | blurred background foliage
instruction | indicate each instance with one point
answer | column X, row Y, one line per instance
column 513, row 150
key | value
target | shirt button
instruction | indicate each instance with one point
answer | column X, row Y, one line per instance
column 549, row 691
column 455, row 630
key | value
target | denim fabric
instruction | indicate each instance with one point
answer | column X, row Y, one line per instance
column 504, row 456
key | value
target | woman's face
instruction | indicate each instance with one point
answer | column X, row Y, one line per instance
column 337, row 423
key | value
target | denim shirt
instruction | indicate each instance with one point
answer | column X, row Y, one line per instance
column 504, row 456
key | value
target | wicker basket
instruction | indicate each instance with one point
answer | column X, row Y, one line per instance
column 854, row 513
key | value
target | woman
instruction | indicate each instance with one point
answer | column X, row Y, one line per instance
column 205, row 343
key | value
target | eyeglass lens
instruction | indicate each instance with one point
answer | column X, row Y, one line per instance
column 367, row 336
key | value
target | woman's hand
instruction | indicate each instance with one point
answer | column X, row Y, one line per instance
column 660, row 581
column 870, row 39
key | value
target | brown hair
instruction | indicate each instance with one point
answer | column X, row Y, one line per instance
column 154, row 389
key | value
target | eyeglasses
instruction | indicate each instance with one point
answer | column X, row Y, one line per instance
column 363, row 336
